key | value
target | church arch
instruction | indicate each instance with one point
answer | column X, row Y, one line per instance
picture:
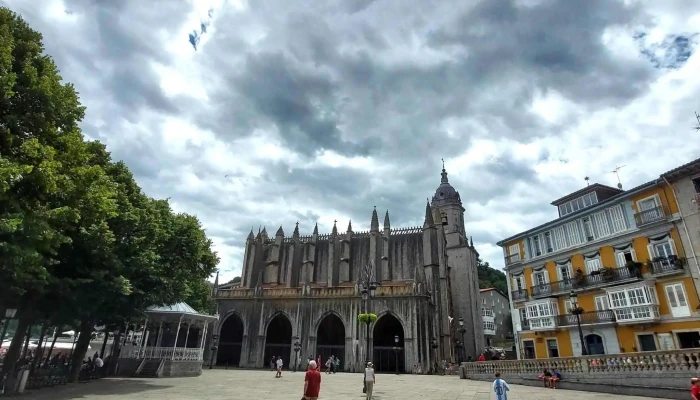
column 387, row 352
column 230, row 340
column 330, row 338
column 278, row 339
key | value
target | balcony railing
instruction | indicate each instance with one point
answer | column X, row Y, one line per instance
column 520, row 294
column 602, row 277
column 588, row 318
column 525, row 325
column 651, row 215
column 667, row 265
column 513, row 259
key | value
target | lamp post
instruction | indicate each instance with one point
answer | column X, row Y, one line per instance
column 459, row 347
column 368, row 290
column 577, row 311
column 297, row 348
column 396, row 352
column 214, row 339
column 462, row 330
column 9, row 314
column 434, row 345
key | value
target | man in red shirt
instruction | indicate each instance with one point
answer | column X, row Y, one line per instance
column 695, row 391
column 312, row 382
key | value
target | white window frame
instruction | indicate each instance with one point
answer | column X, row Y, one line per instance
column 593, row 262
column 587, row 224
column 536, row 246
column 620, row 256
column 602, row 225
column 573, row 234
column 514, row 249
column 534, row 348
column 681, row 310
column 625, row 303
column 567, row 267
column 556, row 344
column 603, row 301
column 519, row 279
column 548, row 247
column 568, row 306
column 560, row 237
column 655, row 197
column 617, row 224
column 545, row 275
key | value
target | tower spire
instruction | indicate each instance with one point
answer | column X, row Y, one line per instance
column 350, row 226
column 280, row 232
column 428, row 215
column 316, row 229
column 296, row 230
column 375, row 221
column 335, row 228
column 444, row 173
column 386, row 220
column 250, row 235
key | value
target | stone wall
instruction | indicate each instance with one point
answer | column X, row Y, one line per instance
column 655, row 374
column 181, row 368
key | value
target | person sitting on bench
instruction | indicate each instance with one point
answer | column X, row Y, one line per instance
column 546, row 377
column 556, row 377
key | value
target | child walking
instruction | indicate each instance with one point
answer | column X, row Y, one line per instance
column 500, row 387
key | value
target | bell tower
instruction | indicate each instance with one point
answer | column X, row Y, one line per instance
column 448, row 210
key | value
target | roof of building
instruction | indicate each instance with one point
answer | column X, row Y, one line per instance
column 585, row 190
column 180, row 308
column 690, row 168
column 577, row 214
column 445, row 192
column 492, row 289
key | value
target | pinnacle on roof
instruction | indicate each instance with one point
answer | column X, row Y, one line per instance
column 280, row 232
column 387, row 225
column 264, row 231
column 250, row 235
column 444, row 173
column 375, row 220
column 316, row 229
column 335, row 228
column 296, row 230
column 350, row 226
column 428, row 216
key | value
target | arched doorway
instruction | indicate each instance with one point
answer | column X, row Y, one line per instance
column 230, row 341
column 330, row 339
column 385, row 357
column 594, row 344
column 278, row 342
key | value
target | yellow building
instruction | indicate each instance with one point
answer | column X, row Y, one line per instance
column 619, row 256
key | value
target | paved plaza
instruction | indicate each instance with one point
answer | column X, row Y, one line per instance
column 222, row 384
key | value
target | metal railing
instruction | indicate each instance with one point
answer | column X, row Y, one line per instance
column 520, row 294
column 513, row 258
column 588, row 318
column 168, row 353
column 667, row 265
column 598, row 278
column 651, row 215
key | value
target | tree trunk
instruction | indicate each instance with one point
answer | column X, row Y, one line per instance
column 104, row 345
column 114, row 353
column 39, row 349
column 53, row 342
column 26, row 343
column 81, row 347
column 14, row 351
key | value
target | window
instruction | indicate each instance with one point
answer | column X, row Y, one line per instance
column 523, row 315
column 624, row 257
column 560, row 237
column 539, row 278
column 647, row 342
column 568, row 306
column 519, row 282
column 552, row 348
column 588, row 229
column 601, row 303
column 529, row 349
column 542, row 315
column 489, row 326
column 592, row 265
column 578, row 204
column 572, row 233
column 601, row 223
column 514, row 252
column 618, row 219
column 677, row 301
column 696, row 184
column 564, row 272
column 663, row 249
column 536, row 245
column 636, row 303
column 548, row 242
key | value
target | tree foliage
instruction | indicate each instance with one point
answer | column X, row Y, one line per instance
column 491, row 278
column 80, row 243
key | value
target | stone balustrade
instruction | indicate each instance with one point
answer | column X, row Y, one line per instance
column 667, row 373
column 334, row 292
column 315, row 292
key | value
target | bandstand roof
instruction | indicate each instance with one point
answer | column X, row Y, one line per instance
column 179, row 310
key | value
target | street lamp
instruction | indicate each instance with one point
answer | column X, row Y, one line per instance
column 396, row 352
column 368, row 290
column 434, row 345
column 459, row 347
column 214, row 339
column 9, row 314
column 577, row 311
column 462, row 330
column 297, row 348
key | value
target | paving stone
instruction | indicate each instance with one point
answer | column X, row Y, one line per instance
column 219, row 384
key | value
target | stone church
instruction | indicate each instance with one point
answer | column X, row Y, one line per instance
column 299, row 295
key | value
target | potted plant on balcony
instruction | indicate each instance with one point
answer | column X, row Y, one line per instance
column 634, row 268
column 579, row 278
column 607, row 273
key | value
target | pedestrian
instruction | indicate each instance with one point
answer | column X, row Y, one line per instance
column 500, row 387
column 318, row 363
column 482, row 358
column 312, row 382
column 279, row 367
column 272, row 363
column 695, row 390
column 328, row 364
column 337, row 364
column 370, row 380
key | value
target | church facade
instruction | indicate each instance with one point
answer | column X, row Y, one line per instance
column 300, row 295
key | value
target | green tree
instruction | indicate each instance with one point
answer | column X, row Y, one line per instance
column 491, row 278
column 236, row 279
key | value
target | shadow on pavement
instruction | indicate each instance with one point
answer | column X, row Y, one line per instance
column 105, row 386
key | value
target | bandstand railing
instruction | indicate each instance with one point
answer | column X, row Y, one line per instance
column 167, row 353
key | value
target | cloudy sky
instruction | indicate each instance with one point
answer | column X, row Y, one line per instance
column 320, row 110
